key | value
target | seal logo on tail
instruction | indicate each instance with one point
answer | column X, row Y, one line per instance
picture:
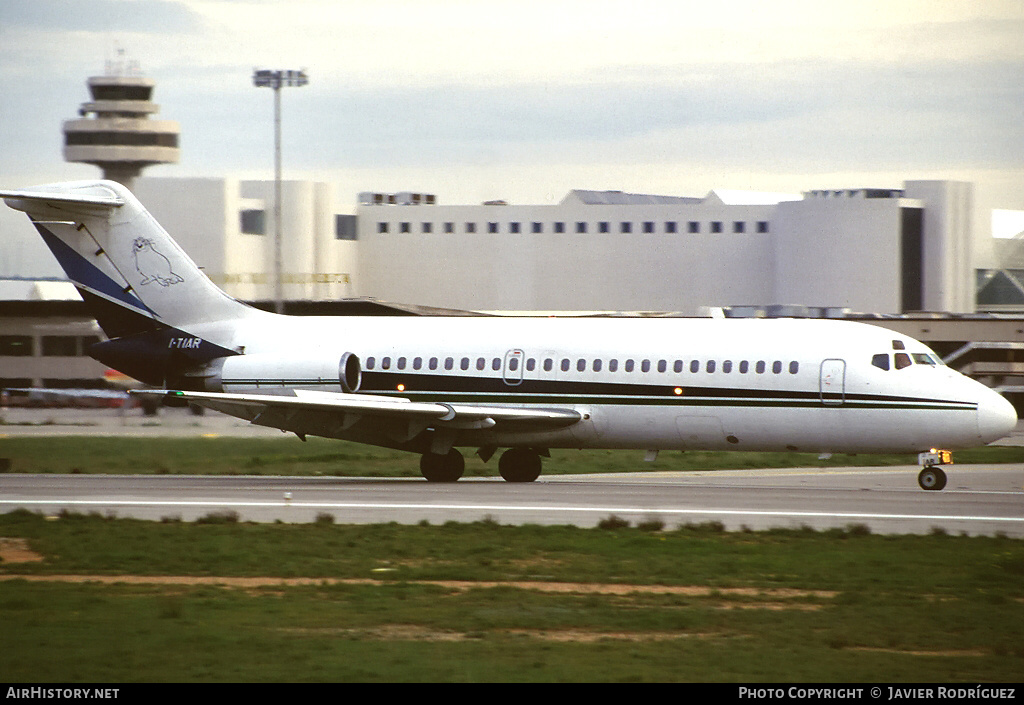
column 152, row 264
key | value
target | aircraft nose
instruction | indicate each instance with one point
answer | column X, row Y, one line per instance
column 996, row 417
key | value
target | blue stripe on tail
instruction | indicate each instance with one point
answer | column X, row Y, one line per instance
column 85, row 274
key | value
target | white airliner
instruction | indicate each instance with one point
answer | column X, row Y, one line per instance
column 430, row 385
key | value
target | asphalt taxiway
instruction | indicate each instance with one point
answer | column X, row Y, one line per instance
column 979, row 499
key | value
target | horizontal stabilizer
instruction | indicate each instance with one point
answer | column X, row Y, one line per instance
column 33, row 200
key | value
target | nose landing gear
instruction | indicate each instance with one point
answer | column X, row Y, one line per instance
column 932, row 477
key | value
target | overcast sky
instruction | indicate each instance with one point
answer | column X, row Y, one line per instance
column 526, row 100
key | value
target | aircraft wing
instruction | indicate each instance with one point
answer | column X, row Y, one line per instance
column 301, row 411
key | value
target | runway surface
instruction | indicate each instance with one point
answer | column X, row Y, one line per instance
column 979, row 499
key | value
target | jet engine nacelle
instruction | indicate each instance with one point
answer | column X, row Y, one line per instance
column 266, row 372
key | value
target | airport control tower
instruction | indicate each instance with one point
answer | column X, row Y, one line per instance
column 114, row 131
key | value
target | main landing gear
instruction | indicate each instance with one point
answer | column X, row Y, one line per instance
column 515, row 465
column 932, row 477
column 519, row 465
column 442, row 468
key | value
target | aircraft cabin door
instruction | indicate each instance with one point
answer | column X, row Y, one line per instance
column 513, row 369
column 832, row 383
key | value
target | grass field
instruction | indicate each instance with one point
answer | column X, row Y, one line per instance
column 485, row 602
column 289, row 456
column 92, row 598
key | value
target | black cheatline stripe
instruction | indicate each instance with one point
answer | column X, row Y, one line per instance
column 482, row 389
column 414, row 381
column 676, row 401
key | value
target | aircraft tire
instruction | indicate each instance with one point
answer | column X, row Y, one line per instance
column 931, row 478
column 519, row 465
column 442, row 468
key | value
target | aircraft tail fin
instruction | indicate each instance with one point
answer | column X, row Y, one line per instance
column 162, row 314
column 132, row 274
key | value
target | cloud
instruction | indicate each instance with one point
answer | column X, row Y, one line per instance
column 837, row 112
column 453, row 84
column 124, row 16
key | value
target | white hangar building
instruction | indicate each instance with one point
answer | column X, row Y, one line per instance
column 226, row 227
column 872, row 250
column 877, row 250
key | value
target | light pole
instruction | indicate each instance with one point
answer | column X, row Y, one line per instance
column 265, row 78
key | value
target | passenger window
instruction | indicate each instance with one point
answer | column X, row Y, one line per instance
column 662, row 365
column 496, row 364
column 385, row 363
column 744, row 366
column 481, row 363
column 759, row 367
column 417, row 363
column 902, row 360
column 694, row 365
column 794, row 367
column 449, row 363
column 531, row 364
column 727, row 366
column 513, row 364
column 881, row 361
column 597, row 365
column 645, row 366
column 710, row 366
column 613, row 365
column 677, row 366
column 548, row 364
column 777, row 366
column 371, row 362
column 465, row 363
column 581, row 365
column 401, row 363
column 629, row 365
column 433, row 363
column 565, row 364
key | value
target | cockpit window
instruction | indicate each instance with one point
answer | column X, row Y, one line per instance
column 898, row 345
column 902, row 360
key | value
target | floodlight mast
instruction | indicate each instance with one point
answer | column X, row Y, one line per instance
column 265, row 78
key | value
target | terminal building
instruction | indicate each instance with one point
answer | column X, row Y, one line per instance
column 878, row 250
